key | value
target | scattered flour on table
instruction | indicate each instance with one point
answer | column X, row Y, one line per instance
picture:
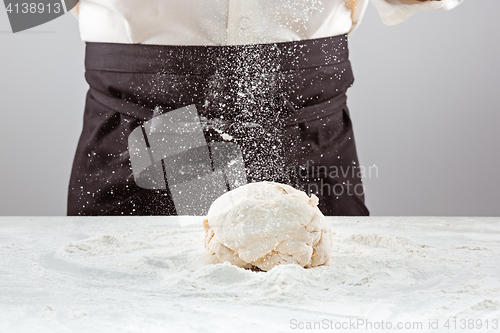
column 107, row 275
column 363, row 267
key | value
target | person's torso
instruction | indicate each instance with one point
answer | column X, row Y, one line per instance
column 215, row 22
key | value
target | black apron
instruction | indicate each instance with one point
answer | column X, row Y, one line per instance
column 282, row 104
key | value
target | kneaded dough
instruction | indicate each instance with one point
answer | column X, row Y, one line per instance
column 266, row 224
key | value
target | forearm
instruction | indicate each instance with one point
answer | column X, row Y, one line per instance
column 75, row 11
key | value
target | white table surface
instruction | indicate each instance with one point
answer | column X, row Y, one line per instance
column 148, row 274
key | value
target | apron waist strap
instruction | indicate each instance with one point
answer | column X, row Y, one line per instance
column 123, row 106
column 198, row 60
column 135, row 79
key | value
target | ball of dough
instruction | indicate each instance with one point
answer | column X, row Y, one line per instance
column 266, row 224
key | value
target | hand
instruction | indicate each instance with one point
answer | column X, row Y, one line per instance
column 351, row 4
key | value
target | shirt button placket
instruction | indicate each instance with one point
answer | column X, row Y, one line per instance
column 241, row 21
column 245, row 23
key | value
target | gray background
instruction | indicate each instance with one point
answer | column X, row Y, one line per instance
column 424, row 105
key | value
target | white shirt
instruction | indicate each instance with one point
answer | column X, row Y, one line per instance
column 233, row 22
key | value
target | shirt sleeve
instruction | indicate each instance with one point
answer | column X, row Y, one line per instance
column 393, row 11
